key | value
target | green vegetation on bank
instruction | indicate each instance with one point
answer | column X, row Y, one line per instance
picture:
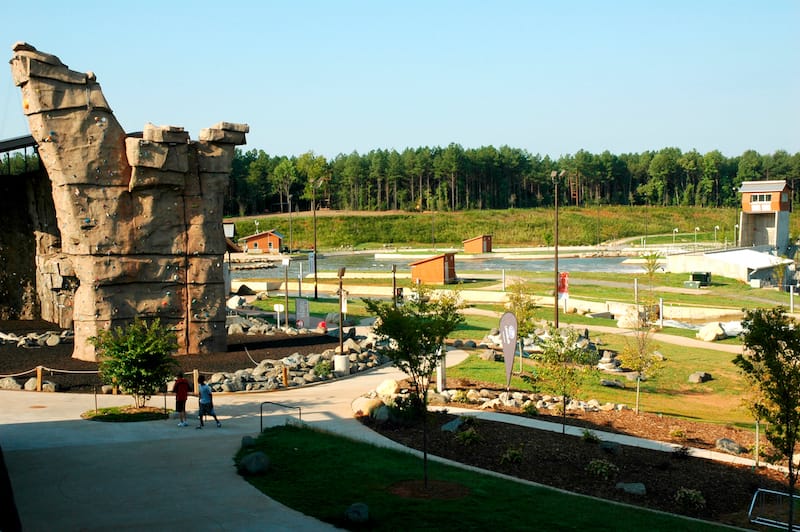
column 509, row 228
column 365, row 473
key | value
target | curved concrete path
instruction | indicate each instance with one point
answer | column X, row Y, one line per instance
column 71, row 474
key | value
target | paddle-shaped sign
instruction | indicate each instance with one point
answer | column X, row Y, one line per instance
column 508, row 338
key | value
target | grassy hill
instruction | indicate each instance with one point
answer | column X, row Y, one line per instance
column 509, row 228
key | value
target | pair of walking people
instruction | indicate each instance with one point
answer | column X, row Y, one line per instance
column 181, row 391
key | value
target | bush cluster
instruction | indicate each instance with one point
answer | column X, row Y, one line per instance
column 602, row 469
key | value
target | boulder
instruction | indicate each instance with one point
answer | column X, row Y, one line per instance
column 711, row 332
column 255, row 463
column 611, row 447
column 699, row 377
column 388, row 388
column 729, row 446
column 632, row 488
column 365, row 406
column 234, row 302
column 357, row 513
column 9, row 383
column 453, row 425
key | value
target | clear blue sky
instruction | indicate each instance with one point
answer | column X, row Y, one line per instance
column 333, row 76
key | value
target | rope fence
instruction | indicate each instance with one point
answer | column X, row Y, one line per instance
column 40, row 370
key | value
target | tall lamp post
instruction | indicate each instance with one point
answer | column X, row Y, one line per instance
column 716, row 228
column 394, row 285
column 556, row 176
column 286, row 288
column 290, row 224
column 314, row 186
column 696, row 229
column 341, row 298
column 674, row 232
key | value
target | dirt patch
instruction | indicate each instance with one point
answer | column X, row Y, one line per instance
column 434, row 490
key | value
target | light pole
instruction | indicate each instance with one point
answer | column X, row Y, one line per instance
column 290, row 224
column 674, row 232
column 341, row 296
column 555, row 176
column 696, row 229
column 735, row 229
column 716, row 228
column 394, row 285
column 286, row 288
column 314, row 186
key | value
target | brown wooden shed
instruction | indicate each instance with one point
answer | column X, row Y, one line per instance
column 264, row 242
column 478, row 244
column 440, row 269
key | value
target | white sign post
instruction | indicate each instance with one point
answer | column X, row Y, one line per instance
column 278, row 307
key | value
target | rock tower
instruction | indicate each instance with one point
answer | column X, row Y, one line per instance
column 139, row 218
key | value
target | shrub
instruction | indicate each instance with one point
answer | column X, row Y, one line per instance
column 529, row 409
column 323, row 368
column 468, row 437
column 689, row 500
column 404, row 409
column 513, row 455
column 459, row 397
column 138, row 357
column 677, row 433
column 590, row 437
column 602, row 469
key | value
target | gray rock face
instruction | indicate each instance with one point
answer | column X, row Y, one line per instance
column 139, row 220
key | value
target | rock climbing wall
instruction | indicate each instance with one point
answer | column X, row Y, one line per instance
column 140, row 219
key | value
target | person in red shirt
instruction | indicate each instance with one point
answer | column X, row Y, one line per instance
column 181, row 391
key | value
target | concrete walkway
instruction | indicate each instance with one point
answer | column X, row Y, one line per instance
column 71, row 474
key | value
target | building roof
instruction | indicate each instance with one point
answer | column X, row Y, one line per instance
column 776, row 185
column 750, row 258
column 262, row 233
column 428, row 259
column 476, row 238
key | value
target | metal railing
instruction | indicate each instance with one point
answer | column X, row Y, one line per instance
column 261, row 414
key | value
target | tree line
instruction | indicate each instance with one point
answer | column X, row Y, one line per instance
column 454, row 178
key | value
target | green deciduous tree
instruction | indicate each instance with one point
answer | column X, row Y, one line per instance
column 564, row 364
column 771, row 362
column 522, row 304
column 138, row 357
column 418, row 330
column 639, row 354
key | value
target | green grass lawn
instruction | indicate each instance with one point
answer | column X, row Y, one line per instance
column 304, row 462
column 668, row 393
